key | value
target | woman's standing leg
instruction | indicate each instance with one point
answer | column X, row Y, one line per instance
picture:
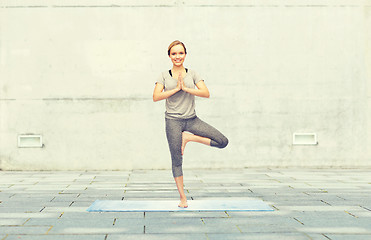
column 174, row 129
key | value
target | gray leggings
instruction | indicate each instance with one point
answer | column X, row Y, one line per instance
column 174, row 129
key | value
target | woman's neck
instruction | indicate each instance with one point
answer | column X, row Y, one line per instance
column 177, row 69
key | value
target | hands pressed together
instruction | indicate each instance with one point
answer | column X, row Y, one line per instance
column 159, row 94
column 180, row 85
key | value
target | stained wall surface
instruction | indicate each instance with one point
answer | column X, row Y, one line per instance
column 81, row 74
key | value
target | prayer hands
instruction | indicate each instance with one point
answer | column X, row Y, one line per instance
column 180, row 85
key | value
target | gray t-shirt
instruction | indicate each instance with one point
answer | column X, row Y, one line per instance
column 181, row 104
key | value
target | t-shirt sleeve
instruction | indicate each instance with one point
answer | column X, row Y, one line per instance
column 161, row 80
column 196, row 77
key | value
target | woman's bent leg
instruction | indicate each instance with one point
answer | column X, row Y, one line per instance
column 187, row 137
column 202, row 129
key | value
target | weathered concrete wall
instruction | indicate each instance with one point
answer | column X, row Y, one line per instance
column 81, row 74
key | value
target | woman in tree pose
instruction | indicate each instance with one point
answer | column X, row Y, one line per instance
column 177, row 86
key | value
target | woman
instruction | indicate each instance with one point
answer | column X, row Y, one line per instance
column 177, row 86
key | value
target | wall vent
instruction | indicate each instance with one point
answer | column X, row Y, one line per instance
column 29, row 141
column 304, row 139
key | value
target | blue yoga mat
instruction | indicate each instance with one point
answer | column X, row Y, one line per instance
column 172, row 205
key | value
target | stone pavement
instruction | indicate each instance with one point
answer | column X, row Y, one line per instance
column 309, row 204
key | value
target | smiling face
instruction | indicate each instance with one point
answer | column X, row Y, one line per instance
column 177, row 55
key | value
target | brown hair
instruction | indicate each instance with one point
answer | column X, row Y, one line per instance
column 176, row 42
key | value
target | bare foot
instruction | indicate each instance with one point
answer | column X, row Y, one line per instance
column 183, row 203
column 185, row 140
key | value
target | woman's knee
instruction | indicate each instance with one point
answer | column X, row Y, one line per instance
column 224, row 142
column 177, row 171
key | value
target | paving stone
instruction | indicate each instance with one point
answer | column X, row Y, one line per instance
column 349, row 236
column 4, row 195
column 310, row 204
column 92, row 198
column 147, row 194
column 62, row 229
column 257, row 214
column 46, row 187
column 77, row 203
column 329, row 222
column 32, row 196
column 65, row 198
column 265, row 228
column 317, row 236
column 24, row 230
column 92, row 226
column 64, row 209
column 175, row 229
column 162, row 236
column 324, row 208
column 41, row 222
column 20, row 209
column 12, row 221
column 72, row 191
column 129, row 222
column 187, row 226
column 362, row 213
column 251, row 220
column 32, row 203
column 153, row 187
column 23, row 215
column 175, row 221
column 218, row 194
column 336, row 230
column 289, row 203
column 175, row 225
column 56, row 237
column 111, row 215
column 259, row 236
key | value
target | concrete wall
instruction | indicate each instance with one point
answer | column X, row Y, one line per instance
column 81, row 74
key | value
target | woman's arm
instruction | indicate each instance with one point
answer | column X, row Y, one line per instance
column 202, row 90
column 159, row 95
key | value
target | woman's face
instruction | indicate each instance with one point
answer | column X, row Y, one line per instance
column 177, row 55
